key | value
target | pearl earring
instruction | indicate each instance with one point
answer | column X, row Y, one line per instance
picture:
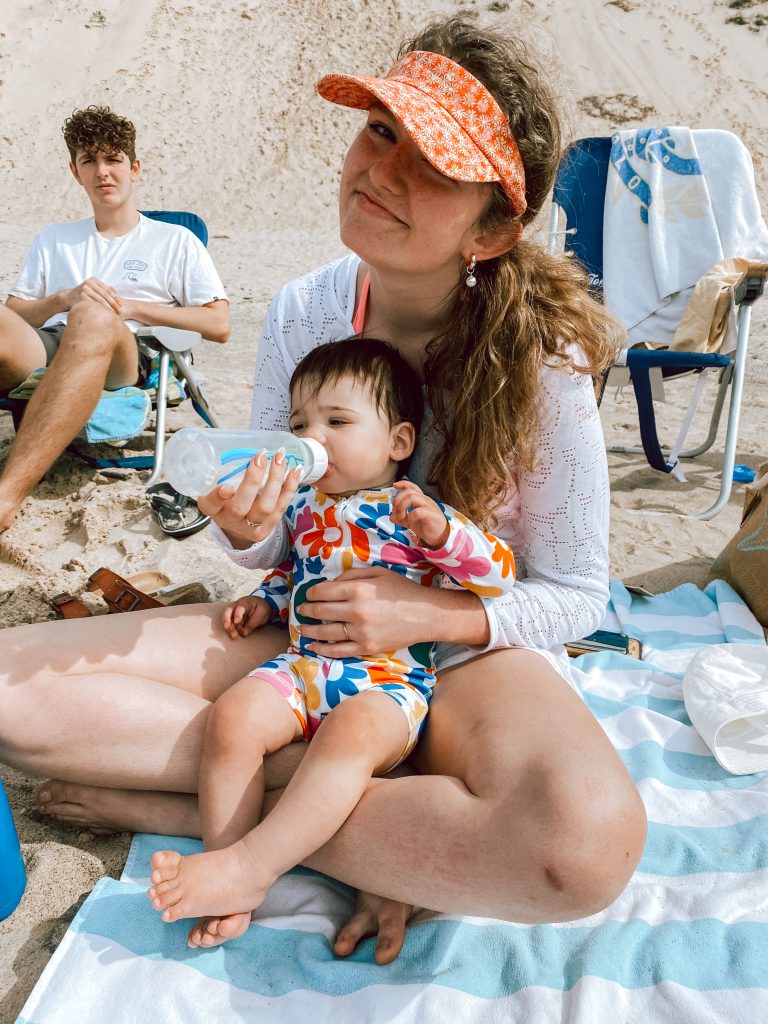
column 470, row 280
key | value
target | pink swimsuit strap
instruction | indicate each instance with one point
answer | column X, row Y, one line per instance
column 358, row 320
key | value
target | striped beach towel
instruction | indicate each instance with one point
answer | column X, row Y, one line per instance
column 686, row 943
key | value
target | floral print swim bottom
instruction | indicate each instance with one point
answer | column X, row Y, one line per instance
column 314, row 685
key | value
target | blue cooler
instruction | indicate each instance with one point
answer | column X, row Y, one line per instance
column 13, row 877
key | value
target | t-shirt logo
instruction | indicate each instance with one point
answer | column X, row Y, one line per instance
column 131, row 266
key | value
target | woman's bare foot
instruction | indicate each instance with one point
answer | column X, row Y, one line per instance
column 375, row 915
column 212, row 931
column 105, row 811
column 219, row 883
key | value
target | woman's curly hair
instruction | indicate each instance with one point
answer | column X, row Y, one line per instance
column 99, row 130
column 529, row 309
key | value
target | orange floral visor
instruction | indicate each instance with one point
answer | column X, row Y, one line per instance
column 452, row 118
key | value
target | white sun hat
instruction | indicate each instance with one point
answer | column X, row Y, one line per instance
column 725, row 689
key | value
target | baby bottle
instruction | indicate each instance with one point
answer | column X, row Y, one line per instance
column 199, row 459
column 13, row 878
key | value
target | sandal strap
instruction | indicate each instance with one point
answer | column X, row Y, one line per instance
column 120, row 595
column 172, row 502
column 68, row 607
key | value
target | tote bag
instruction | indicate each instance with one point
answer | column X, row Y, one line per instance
column 743, row 562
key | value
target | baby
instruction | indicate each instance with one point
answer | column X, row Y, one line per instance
column 363, row 402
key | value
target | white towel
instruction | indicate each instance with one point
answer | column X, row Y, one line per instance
column 676, row 202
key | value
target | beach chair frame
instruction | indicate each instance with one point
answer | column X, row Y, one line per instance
column 578, row 201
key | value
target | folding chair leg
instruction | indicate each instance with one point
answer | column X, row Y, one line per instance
column 706, row 444
column 160, row 410
column 734, row 412
column 195, row 390
column 732, row 430
column 714, row 423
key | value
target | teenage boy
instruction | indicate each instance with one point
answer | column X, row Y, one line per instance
column 86, row 287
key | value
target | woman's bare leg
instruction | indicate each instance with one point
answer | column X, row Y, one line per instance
column 107, row 810
column 120, row 701
column 531, row 815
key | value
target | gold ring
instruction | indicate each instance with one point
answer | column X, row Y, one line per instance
column 253, row 526
column 346, row 631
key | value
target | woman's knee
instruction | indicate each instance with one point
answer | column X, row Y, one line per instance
column 584, row 841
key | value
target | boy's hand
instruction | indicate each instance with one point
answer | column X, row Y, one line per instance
column 419, row 514
column 246, row 614
column 96, row 291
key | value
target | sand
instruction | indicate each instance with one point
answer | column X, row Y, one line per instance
column 229, row 126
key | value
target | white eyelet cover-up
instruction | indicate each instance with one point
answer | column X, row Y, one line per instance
column 555, row 518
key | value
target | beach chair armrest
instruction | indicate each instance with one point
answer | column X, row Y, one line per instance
column 172, row 338
column 751, row 284
column 668, row 358
column 640, row 362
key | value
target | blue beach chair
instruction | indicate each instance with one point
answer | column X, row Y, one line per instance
column 579, row 199
column 164, row 344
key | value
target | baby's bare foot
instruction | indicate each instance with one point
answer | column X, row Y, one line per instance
column 212, row 931
column 219, row 883
column 105, row 811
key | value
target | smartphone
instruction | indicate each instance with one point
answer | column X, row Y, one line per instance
column 605, row 640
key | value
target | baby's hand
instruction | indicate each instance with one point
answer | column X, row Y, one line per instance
column 420, row 514
column 246, row 614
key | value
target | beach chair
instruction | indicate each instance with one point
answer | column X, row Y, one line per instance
column 171, row 347
column 577, row 225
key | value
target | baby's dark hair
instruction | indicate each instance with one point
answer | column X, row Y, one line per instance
column 99, row 130
column 394, row 385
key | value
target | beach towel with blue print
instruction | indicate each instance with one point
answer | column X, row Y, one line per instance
column 687, row 941
column 119, row 415
column 677, row 201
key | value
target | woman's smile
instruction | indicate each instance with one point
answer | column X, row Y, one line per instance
column 374, row 208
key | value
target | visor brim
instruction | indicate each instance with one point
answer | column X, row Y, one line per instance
column 439, row 138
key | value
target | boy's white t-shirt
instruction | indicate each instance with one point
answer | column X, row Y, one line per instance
column 154, row 262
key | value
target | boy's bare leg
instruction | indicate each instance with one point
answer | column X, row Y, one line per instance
column 363, row 736
column 96, row 350
column 21, row 350
column 248, row 722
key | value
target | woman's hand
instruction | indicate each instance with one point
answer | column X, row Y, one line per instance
column 374, row 915
column 246, row 614
column 419, row 514
column 365, row 611
column 250, row 513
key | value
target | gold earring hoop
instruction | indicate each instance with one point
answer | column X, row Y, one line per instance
column 470, row 280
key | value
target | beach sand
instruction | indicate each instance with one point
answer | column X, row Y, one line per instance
column 229, row 126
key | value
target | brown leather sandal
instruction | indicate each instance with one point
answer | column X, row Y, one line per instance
column 121, row 595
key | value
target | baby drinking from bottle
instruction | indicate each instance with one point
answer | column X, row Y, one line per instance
column 363, row 403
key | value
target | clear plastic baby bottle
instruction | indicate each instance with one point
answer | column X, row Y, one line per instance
column 197, row 459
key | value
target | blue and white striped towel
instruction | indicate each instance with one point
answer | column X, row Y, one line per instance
column 686, row 943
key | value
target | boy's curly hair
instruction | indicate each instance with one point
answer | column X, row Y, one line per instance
column 99, row 130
